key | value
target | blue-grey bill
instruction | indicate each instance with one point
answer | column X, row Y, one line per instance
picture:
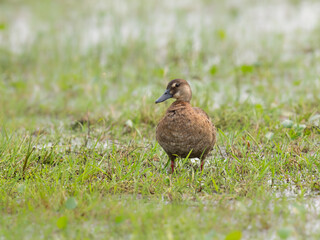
column 164, row 96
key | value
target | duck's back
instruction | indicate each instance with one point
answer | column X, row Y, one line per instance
column 184, row 128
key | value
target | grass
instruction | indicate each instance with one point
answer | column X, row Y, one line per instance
column 78, row 156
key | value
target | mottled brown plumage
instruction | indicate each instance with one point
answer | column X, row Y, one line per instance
column 184, row 128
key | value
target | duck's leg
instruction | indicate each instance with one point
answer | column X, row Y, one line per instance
column 203, row 157
column 202, row 163
column 172, row 166
column 201, row 168
column 172, row 158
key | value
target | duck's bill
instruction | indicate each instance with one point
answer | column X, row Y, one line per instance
column 164, row 96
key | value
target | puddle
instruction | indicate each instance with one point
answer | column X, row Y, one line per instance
column 73, row 144
column 254, row 27
column 18, row 32
column 110, row 20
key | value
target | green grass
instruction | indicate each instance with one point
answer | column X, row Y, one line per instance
column 78, row 156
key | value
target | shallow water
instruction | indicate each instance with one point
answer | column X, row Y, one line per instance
column 160, row 21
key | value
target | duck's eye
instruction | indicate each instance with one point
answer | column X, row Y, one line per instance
column 177, row 84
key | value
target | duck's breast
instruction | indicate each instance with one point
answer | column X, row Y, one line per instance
column 184, row 129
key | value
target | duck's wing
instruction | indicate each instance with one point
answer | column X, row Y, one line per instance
column 213, row 128
column 200, row 111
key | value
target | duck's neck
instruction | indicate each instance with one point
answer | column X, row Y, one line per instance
column 180, row 102
column 179, row 106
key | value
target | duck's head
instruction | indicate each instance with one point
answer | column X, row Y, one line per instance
column 178, row 89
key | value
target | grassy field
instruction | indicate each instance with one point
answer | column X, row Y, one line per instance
column 78, row 156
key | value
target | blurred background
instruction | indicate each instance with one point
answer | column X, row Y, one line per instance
column 60, row 60
column 78, row 84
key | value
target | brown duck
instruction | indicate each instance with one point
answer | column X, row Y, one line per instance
column 184, row 129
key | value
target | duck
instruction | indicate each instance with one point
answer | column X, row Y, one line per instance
column 184, row 131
